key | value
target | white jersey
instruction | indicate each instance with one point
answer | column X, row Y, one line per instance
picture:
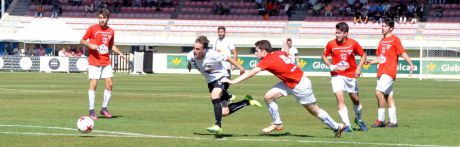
column 292, row 53
column 210, row 66
column 224, row 47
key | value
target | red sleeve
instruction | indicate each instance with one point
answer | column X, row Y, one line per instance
column 328, row 49
column 263, row 64
column 88, row 34
column 398, row 46
column 358, row 49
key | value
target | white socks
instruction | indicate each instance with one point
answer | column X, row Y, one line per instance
column 326, row 119
column 392, row 115
column 107, row 95
column 91, row 96
column 381, row 114
column 273, row 109
column 343, row 113
column 357, row 109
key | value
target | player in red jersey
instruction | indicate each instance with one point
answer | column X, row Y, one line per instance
column 388, row 51
column 101, row 40
column 344, row 72
column 293, row 82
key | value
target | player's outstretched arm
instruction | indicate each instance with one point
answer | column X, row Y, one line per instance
column 373, row 61
column 243, row 77
column 234, row 63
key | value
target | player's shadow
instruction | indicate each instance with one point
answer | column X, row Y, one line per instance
column 284, row 134
column 113, row 117
column 87, row 136
column 220, row 136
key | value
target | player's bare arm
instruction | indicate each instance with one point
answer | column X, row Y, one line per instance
column 116, row 50
column 243, row 77
column 89, row 45
column 407, row 58
column 235, row 57
column 297, row 59
column 326, row 61
column 373, row 61
column 234, row 63
column 361, row 63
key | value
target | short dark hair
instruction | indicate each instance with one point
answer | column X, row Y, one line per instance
column 202, row 40
column 389, row 22
column 104, row 12
column 289, row 39
column 264, row 45
column 342, row 26
column 221, row 28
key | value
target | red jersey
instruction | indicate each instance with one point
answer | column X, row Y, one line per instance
column 344, row 54
column 388, row 52
column 279, row 64
column 102, row 38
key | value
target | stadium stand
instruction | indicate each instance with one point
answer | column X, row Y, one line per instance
column 242, row 20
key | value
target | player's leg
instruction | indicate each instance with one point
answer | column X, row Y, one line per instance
column 107, row 75
column 357, row 107
column 304, row 95
column 94, row 73
column 324, row 117
column 270, row 97
column 392, row 111
column 338, row 87
column 233, row 107
column 352, row 88
column 216, row 93
column 383, row 88
column 92, row 98
column 380, row 122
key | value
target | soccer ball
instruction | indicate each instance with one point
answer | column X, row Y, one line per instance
column 85, row 124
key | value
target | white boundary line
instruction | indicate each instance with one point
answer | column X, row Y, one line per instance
column 137, row 135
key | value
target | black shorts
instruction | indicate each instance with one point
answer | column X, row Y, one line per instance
column 223, row 86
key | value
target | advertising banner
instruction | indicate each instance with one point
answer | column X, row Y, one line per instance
column 307, row 64
column 49, row 63
column 442, row 67
column 78, row 64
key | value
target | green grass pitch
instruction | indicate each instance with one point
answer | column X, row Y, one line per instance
column 41, row 109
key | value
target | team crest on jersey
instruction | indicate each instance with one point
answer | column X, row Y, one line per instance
column 388, row 46
column 349, row 52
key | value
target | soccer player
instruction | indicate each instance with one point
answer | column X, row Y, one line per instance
column 293, row 52
column 293, row 82
column 344, row 73
column 225, row 47
column 388, row 51
column 210, row 64
column 101, row 40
